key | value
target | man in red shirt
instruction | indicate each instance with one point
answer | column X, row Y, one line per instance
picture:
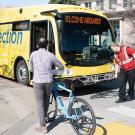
column 125, row 66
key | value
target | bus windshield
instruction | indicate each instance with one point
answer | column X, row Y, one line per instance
column 85, row 40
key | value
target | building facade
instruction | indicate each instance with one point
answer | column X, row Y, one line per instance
column 121, row 14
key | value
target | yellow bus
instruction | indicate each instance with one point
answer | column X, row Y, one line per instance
column 79, row 37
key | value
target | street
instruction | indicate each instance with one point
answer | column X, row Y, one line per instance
column 18, row 116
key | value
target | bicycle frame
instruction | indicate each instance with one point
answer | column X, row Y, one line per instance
column 76, row 110
column 58, row 86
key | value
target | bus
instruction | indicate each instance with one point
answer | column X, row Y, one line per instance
column 79, row 37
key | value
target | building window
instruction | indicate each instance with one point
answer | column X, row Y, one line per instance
column 112, row 3
column 100, row 4
column 116, row 27
column 88, row 4
column 127, row 3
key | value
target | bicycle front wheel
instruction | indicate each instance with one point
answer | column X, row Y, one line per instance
column 52, row 109
column 84, row 122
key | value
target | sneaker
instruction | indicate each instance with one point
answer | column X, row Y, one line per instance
column 42, row 129
column 120, row 100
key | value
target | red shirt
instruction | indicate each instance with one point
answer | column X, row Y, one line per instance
column 120, row 57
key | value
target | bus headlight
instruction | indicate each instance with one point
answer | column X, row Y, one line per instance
column 112, row 67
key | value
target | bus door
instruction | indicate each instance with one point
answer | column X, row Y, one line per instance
column 39, row 29
column 42, row 29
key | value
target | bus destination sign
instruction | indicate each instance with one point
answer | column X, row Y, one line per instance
column 82, row 20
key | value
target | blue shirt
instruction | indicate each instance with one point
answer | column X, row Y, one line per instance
column 41, row 65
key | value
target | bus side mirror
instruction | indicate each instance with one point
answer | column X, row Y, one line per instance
column 60, row 25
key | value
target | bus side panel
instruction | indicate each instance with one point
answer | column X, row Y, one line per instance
column 5, row 45
column 12, row 45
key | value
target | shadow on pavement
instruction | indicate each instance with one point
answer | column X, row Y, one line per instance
column 56, row 122
column 105, row 94
column 100, row 89
column 61, row 119
column 102, row 128
column 99, row 118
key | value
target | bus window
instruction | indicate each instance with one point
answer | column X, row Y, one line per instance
column 81, row 41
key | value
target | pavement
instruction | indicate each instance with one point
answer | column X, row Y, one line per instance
column 18, row 115
column 16, row 104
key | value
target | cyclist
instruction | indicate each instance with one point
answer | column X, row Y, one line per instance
column 41, row 62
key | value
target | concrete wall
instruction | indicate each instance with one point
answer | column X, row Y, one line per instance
column 84, row 1
column 117, row 7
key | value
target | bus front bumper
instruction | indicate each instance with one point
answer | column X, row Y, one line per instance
column 89, row 79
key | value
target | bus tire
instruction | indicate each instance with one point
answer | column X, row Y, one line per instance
column 22, row 74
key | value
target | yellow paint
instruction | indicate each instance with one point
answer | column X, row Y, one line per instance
column 9, row 51
column 115, row 128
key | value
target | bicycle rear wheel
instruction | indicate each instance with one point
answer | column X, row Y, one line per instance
column 85, row 122
column 52, row 109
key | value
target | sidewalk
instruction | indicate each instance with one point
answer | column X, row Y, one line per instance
column 64, row 128
column 17, row 107
column 16, row 103
column 58, row 127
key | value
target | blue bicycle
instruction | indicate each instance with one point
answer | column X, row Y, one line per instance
column 78, row 111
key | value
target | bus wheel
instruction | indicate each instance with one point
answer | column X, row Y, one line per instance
column 22, row 73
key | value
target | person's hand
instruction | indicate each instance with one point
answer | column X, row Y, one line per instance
column 116, row 76
column 57, row 72
column 49, row 92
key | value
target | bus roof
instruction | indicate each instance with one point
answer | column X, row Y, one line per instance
column 29, row 12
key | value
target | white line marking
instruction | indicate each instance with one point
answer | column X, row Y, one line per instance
column 123, row 110
column 15, row 105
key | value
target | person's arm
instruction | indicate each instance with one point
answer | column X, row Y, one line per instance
column 56, row 62
column 131, row 52
column 117, row 68
column 31, row 63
